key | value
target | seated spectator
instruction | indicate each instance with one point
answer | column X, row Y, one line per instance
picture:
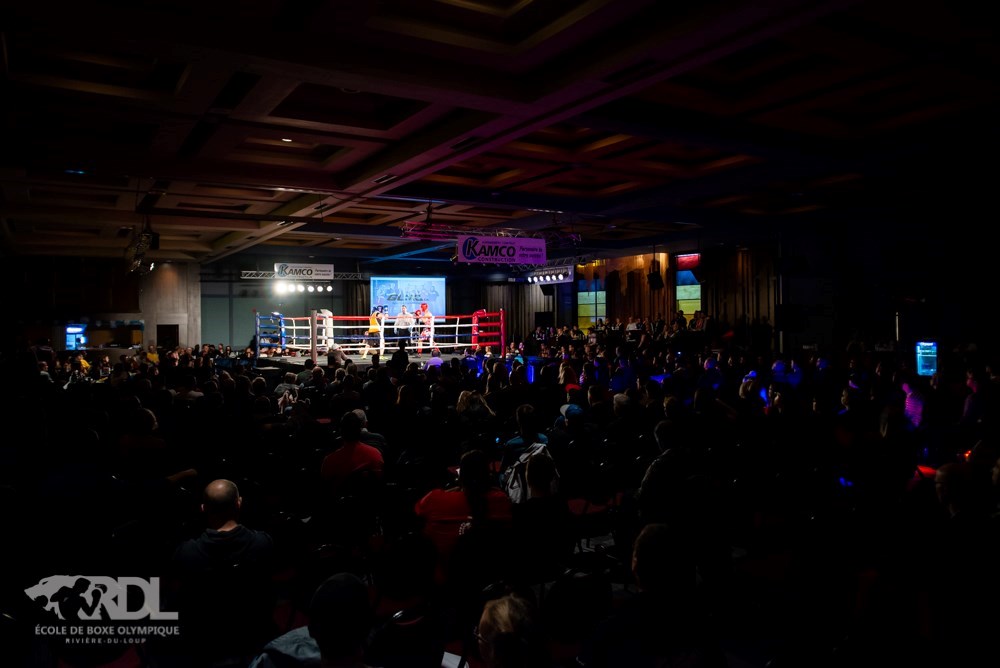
column 223, row 578
column 303, row 377
column 43, row 372
column 573, row 443
column 475, row 503
column 186, row 388
column 599, row 405
column 661, row 625
column 371, row 438
column 317, row 382
column 344, row 395
column 527, row 434
column 352, row 456
column 509, row 634
column 142, row 449
column 543, row 524
column 340, row 618
column 962, row 583
column 435, row 359
column 287, row 384
column 473, row 413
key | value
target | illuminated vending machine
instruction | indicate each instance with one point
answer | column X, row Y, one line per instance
column 927, row 358
column 76, row 337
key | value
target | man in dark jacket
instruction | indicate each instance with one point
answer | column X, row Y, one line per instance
column 223, row 579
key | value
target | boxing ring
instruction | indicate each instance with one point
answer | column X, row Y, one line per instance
column 315, row 335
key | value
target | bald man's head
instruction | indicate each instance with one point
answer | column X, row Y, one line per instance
column 222, row 499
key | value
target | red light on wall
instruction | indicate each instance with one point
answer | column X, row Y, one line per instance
column 688, row 262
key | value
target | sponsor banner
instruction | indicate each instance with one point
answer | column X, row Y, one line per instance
column 306, row 272
column 501, row 250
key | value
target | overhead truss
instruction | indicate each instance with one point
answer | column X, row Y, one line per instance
column 337, row 276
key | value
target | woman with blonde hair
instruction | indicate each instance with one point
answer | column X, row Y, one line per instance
column 473, row 415
column 510, row 635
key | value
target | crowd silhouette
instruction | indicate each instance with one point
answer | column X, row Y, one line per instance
column 692, row 502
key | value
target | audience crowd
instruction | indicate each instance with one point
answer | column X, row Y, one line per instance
column 688, row 501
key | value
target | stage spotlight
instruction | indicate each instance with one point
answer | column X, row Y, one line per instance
column 281, row 287
column 300, row 287
column 311, row 289
column 329, row 288
column 560, row 277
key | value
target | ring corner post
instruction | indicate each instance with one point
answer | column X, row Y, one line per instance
column 503, row 332
column 313, row 354
column 256, row 336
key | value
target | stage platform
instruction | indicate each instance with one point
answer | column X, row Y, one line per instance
column 273, row 368
column 268, row 365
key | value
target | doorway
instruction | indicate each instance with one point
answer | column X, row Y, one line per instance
column 168, row 336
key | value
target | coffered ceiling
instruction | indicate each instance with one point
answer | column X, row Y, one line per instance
column 315, row 131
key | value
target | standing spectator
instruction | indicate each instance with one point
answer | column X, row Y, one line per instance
column 400, row 358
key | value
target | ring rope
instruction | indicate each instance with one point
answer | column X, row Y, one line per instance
column 321, row 332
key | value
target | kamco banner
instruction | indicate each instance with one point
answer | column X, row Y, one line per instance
column 501, row 250
column 311, row 272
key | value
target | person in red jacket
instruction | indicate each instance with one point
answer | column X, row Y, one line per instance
column 352, row 456
column 476, row 502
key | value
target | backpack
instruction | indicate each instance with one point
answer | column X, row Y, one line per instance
column 514, row 478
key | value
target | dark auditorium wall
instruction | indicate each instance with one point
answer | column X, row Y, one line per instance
column 43, row 294
column 68, row 288
column 818, row 288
